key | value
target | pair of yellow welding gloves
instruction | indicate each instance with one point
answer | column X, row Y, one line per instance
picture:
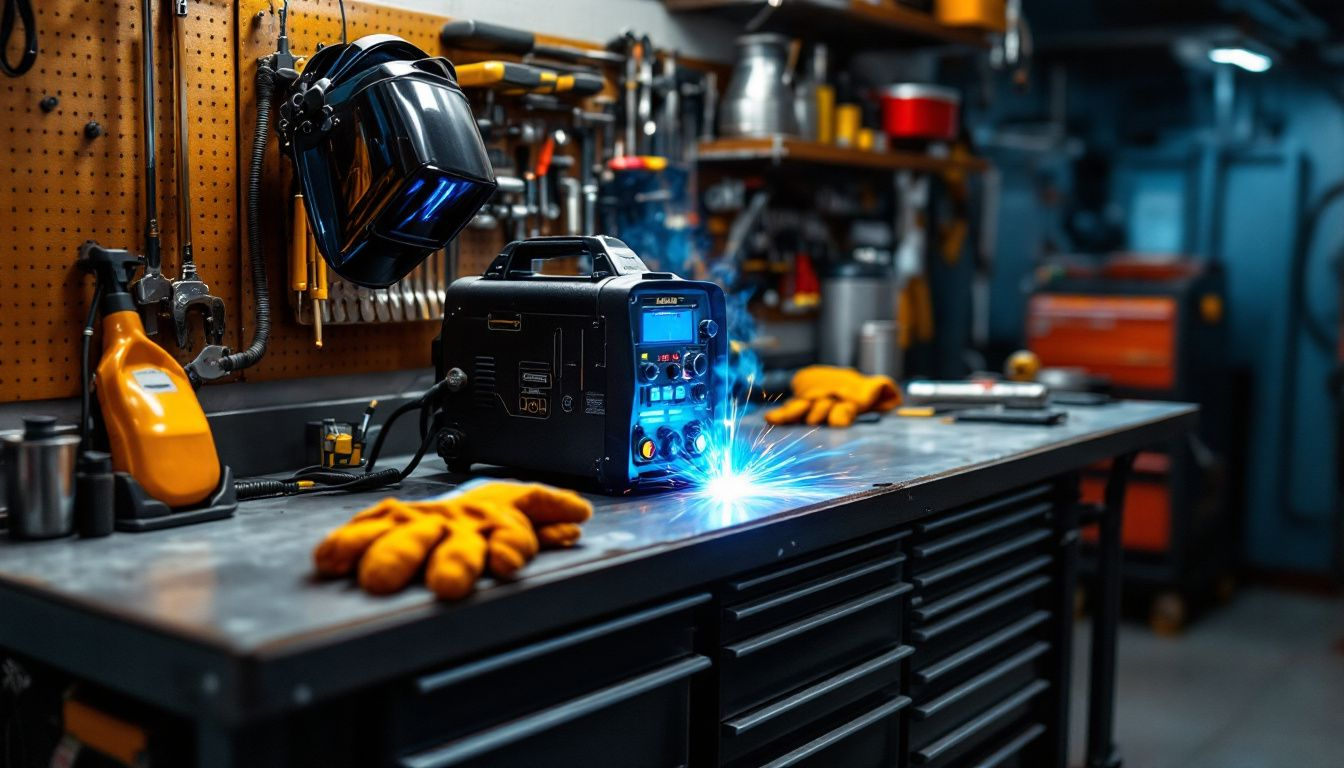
column 824, row 394
column 486, row 525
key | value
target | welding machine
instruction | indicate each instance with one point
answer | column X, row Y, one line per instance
column 615, row 375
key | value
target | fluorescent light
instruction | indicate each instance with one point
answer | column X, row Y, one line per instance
column 1240, row 57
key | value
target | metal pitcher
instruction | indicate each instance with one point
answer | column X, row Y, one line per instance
column 759, row 100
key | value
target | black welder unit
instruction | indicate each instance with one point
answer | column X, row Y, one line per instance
column 616, row 375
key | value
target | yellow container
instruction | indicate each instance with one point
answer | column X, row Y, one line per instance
column 155, row 425
column 990, row 15
column 848, row 120
column 825, row 114
column 866, row 140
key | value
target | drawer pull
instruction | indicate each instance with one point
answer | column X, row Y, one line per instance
column 981, row 647
column 1003, row 598
column 435, row 681
column 484, row 742
column 980, row 589
column 1001, row 755
column 816, row 621
column 783, row 573
column 958, row 518
column 839, row 734
column 982, row 721
column 958, row 567
column 996, row 672
column 764, row 714
column 811, row 588
column 961, row 538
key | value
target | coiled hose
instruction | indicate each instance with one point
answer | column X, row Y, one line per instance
column 260, row 288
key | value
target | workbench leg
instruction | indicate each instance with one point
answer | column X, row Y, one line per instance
column 1055, row 750
column 221, row 746
column 1101, row 749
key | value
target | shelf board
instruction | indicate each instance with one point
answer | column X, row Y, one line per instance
column 858, row 24
column 780, row 149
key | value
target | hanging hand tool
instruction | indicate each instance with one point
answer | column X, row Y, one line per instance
column 511, row 78
column 474, row 35
column 22, row 10
column 152, row 290
column 190, row 293
column 317, row 287
column 298, row 252
column 484, row 526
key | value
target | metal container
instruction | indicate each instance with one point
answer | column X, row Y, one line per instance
column 880, row 351
column 852, row 294
column 921, row 112
column 806, row 104
column 40, row 480
column 759, row 99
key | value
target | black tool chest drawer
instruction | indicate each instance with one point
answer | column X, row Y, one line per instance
column 811, row 660
column 984, row 577
column 616, row 688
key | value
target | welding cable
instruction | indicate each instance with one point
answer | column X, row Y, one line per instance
column 260, row 288
column 22, row 11
column 318, row 479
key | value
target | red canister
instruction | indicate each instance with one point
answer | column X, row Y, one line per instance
column 920, row 111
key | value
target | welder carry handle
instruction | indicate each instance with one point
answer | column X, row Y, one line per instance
column 515, row 261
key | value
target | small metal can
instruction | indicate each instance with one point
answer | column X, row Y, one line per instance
column 40, row 480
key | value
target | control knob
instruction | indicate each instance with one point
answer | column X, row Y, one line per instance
column 699, row 392
column 697, row 364
column 673, row 371
column 669, row 442
column 708, row 329
column 649, row 371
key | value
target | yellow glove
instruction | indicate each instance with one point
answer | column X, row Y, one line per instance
column 454, row 538
column 834, row 396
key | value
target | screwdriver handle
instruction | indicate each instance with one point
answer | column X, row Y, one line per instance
column 298, row 248
column 473, row 35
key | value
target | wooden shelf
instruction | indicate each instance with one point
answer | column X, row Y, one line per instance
column 779, row 150
column 857, row 24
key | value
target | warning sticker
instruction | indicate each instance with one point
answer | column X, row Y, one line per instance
column 594, row 404
column 154, row 380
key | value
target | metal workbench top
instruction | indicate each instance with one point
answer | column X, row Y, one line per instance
column 226, row 617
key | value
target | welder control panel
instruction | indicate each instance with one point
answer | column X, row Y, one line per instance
column 674, row 353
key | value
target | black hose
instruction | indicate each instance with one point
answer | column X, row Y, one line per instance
column 22, row 11
column 260, row 288
column 85, row 385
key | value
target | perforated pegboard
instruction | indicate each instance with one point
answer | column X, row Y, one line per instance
column 63, row 187
column 60, row 188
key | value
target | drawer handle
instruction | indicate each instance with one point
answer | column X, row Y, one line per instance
column 992, row 506
column 996, row 672
column 764, row 714
column 1000, row 756
column 959, row 567
column 980, row 609
column 437, row 680
column 980, row 589
column 981, row 721
column 763, row 641
column 839, row 734
column 952, row 541
column 981, row 647
column 756, row 581
column 751, row 609
column 484, row 742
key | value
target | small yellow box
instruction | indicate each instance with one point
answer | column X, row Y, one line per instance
column 989, row 15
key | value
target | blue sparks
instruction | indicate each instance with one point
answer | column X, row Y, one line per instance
column 749, row 470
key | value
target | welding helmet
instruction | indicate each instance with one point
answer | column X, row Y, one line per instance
column 387, row 155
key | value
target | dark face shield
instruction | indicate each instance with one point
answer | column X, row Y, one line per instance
column 387, row 154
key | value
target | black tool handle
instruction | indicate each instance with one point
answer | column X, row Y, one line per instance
column 587, row 84
column 474, row 35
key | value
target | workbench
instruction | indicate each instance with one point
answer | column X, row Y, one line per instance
column 921, row 613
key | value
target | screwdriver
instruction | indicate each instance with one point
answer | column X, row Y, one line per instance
column 474, row 35
column 513, row 78
column 298, row 251
column 317, row 288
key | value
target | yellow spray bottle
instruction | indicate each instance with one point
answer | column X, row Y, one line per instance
column 156, row 428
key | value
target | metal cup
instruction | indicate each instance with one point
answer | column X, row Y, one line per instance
column 880, row 349
column 39, row 468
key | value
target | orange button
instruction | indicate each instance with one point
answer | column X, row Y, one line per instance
column 645, row 448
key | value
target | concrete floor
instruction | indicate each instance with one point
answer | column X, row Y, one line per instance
column 1258, row 683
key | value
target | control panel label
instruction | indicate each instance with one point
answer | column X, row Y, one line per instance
column 594, row 404
column 154, row 380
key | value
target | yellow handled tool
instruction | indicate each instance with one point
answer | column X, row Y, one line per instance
column 507, row 76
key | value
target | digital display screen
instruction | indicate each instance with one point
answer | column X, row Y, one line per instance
column 676, row 326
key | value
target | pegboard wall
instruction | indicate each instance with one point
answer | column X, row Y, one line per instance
column 62, row 187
